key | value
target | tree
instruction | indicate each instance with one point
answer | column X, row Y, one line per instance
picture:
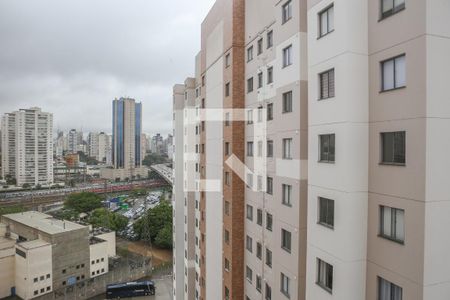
column 83, row 202
column 164, row 238
column 153, row 226
column 102, row 217
column 153, row 159
column 11, row 210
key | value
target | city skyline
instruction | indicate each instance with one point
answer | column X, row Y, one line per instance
column 83, row 64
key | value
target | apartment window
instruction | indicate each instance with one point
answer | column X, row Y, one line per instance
column 227, row 293
column 259, row 250
column 48, row 276
column 286, row 240
column 249, row 148
column 250, row 212
column 391, row 7
column 285, row 285
column 35, row 292
column 227, row 178
column 392, row 223
column 327, row 147
column 35, row 279
column 324, row 275
column 250, row 180
column 393, row 145
column 260, row 46
column 260, row 80
column 227, row 119
column 287, row 146
column 259, row 217
column 269, row 148
column 268, row 258
column 227, row 265
column 268, row 292
column 227, row 89
column 260, row 113
column 393, row 73
column 389, row 291
column 269, row 111
column 42, row 278
column 226, row 236
column 227, row 208
column 250, row 85
column 48, row 288
column 258, row 283
column 249, row 116
column 248, row 273
column 227, row 60
column 270, row 185
column 227, row 148
column 326, row 21
column 250, row 54
column 259, row 183
column 270, row 39
column 326, row 212
column 269, row 75
column 269, row 221
column 287, row 56
column 326, row 83
column 203, row 81
column 287, row 102
column 286, row 194
column 286, row 11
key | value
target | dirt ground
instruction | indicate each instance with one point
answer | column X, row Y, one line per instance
column 160, row 256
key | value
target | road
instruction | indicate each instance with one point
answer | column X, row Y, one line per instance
column 163, row 290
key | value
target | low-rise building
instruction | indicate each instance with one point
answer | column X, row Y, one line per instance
column 40, row 254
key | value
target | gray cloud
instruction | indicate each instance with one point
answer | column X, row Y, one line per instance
column 73, row 57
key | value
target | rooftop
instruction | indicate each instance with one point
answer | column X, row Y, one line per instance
column 33, row 244
column 43, row 222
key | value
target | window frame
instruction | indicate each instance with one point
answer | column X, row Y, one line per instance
column 394, row 10
column 287, row 155
column 286, row 12
column 287, row 102
column 319, row 14
column 321, row 75
column 260, row 46
column 250, row 86
column 269, row 111
column 286, row 194
column 393, row 222
column 327, row 160
column 319, row 218
column 382, row 154
column 287, row 56
column 382, row 65
column 285, row 289
column 286, row 240
column 391, row 287
column 269, row 39
column 270, row 75
column 250, row 53
column 323, row 282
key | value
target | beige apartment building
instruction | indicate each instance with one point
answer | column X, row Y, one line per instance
column 342, row 133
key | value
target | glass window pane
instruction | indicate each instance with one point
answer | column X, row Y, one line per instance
column 384, row 289
column 398, row 3
column 388, row 75
column 387, row 219
column 331, row 19
column 388, row 147
column 387, row 5
column 400, row 225
column 323, row 23
column 400, row 71
column 332, row 150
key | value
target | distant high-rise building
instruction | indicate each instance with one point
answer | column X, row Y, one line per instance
column 126, row 140
column 27, row 152
column 74, row 141
column 98, row 144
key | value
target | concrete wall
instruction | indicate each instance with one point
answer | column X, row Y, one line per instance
column 98, row 254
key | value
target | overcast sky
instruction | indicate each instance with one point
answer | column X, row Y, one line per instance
column 73, row 57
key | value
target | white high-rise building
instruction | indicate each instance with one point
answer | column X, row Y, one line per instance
column 99, row 144
column 27, row 152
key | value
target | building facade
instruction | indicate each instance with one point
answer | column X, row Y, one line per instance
column 99, row 144
column 330, row 183
column 126, row 141
column 27, row 152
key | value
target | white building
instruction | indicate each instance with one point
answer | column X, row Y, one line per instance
column 99, row 145
column 27, row 152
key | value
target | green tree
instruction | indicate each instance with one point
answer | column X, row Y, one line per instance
column 153, row 159
column 83, row 202
column 11, row 210
column 102, row 217
column 164, row 238
column 154, row 224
